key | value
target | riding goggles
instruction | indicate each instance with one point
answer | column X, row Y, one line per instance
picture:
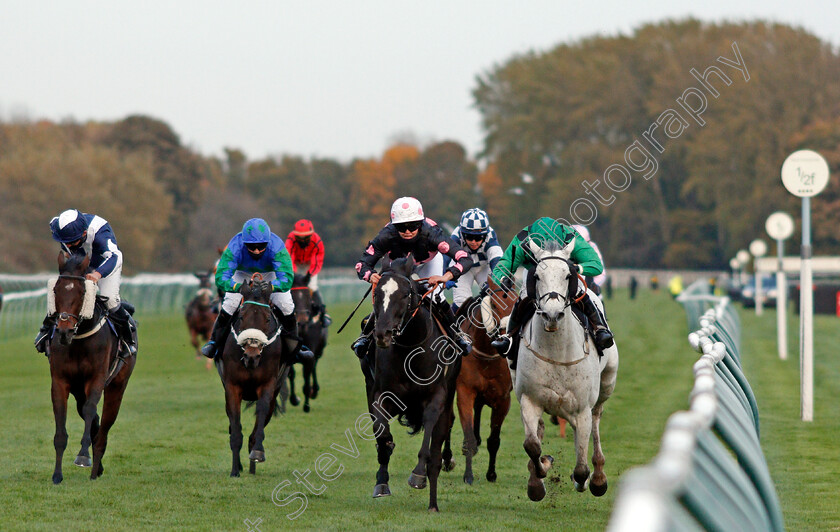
column 406, row 227
column 256, row 247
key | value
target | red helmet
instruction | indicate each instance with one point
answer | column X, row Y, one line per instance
column 303, row 228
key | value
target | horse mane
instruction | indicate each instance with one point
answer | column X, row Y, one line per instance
column 299, row 280
column 74, row 263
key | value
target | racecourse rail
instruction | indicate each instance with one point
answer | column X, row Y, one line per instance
column 694, row 483
column 24, row 297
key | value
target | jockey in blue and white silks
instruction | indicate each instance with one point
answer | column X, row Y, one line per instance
column 475, row 236
column 76, row 232
column 255, row 250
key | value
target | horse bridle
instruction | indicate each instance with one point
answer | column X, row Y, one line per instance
column 568, row 300
column 257, row 277
column 65, row 316
column 414, row 304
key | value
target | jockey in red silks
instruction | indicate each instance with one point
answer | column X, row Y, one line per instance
column 307, row 251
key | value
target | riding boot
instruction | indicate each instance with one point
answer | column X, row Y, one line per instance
column 296, row 351
column 44, row 334
column 126, row 327
column 318, row 304
column 603, row 336
column 507, row 344
column 363, row 342
column 221, row 329
column 444, row 312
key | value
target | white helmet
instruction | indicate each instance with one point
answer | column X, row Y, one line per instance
column 582, row 230
column 407, row 209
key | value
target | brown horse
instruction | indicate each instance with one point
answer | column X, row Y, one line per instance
column 201, row 313
column 485, row 377
column 85, row 360
column 252, row 369
column 313, row 332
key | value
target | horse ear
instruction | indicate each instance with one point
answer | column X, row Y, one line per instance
column 569, row 248
column 62, row 259
column 409, row 261
column 85, row 262
column 535, row 249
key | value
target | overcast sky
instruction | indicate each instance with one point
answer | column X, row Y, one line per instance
column 328, row 78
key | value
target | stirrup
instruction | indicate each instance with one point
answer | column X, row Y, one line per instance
column 604, row 338
column 360, row 346
column 304, row 354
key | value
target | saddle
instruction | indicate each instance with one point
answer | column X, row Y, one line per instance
column 577, row 311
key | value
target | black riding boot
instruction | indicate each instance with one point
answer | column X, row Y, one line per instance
column 297, row 352
column 507, row 344
column 126, row 327
column 318, row 305
column 44, row 334
column 363, row 342
column 444, row 312
column 603, row 336
column 218, row 337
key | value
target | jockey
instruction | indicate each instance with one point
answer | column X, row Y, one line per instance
column 307, row 252
column 76, row 232
column 595, row 283
column 411, row 232
column 477, row 238
column 256, row 250
column 516, row 255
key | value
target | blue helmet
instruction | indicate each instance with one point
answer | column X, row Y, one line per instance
column 256, row 231
column 68, row 226
column 475, row 222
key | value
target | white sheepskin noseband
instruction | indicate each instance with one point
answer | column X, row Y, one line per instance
column 87, row 305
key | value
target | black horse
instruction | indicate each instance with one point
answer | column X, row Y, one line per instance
column 85, row 360
column 411, row 373
column 313, row 332
column 252, row 368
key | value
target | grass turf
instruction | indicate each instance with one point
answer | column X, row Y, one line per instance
column 168, row 459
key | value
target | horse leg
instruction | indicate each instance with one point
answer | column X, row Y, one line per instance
column 315, row 387
column 60, row 392
column 88, row 411
column 497, row 417
column 293, row 399
column 233, row 403
column 479, row 404
column 307, row 389
column 598, row 483
column 583, row 430
column 439, row 432
column 433, row 411
column 83, row 457
column 466, row 400
column 110, row 409
column 384, row 449
column 538, row 465
column 194, row 342
column 448, row 462
column 263, row 415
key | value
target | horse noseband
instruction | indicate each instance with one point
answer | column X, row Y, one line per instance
column 65, row 316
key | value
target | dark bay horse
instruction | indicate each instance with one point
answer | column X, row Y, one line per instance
column 84, row 361
column 412, row 375
column 484, row 378
column 251, row 368
column 201, row 313
column 313, row 332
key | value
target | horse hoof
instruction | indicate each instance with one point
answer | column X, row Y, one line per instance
column 491, row 476
column 57, row 478
column 82, row 461
column 536, row 490
column 257, row 456
column 449, row 465
column 293, row 399
column 234, row 473
column 598, row 490
column 416, row 481
column 468, row 479
column 554, row 420
column 580, row 487
column 547, row 461
column 306, row 408
column 381, row 490
column 433, row 510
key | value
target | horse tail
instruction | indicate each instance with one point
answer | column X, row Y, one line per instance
column 413, row 419
column 278, row 409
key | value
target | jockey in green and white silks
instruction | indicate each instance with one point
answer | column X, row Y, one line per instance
column 518, row 255
column 255, row 250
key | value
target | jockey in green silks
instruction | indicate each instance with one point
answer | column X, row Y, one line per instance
column 518, row 255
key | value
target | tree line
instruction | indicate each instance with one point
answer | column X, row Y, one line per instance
column 624, row 133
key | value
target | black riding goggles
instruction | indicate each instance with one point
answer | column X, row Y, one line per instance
column 474, row 238
column 256, row 247
column 406, row 227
